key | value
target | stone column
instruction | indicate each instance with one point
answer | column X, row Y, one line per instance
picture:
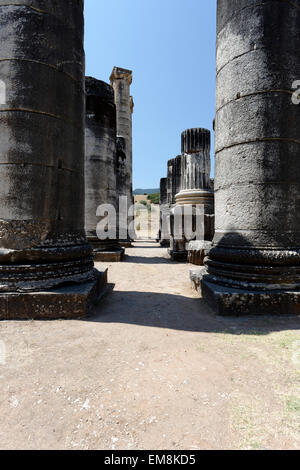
column 170, row 182
column 42, row 237
column 100, row 168
column 197, row 189
column 121, row 79
column 175, row 171
column 254, row 265
column 177, row 177
column 163, row 194
column 195, row 192
column 164, row 232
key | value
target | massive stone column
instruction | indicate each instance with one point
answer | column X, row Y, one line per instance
column 101, row 169
column 195, row 192
column 42, row 237
column 121, row 79
column 254, row 264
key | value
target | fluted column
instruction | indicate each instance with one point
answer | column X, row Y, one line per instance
column 195, row 190
column 101, row 168
column 163, row 196
column 195, row 169
column 170, row 181
column 254, row 265
column 164, row 232
column 174, row 187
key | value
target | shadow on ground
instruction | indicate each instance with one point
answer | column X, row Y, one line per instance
column 177, row 312
column 149, row 260
column 162, row 259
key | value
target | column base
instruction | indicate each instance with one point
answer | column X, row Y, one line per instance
column 126, row 243
column 66, row 302
column 226, row 301
column 197, row 251
column 178, row 255
column 114, row 256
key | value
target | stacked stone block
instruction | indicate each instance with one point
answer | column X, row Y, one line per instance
column 43, row 246
column 254, row 264
column 101, row 170
column 121, row 80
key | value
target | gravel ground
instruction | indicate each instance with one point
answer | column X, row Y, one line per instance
column 153, row 368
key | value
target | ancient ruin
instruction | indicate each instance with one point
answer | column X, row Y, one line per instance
column 253, row 267
column 197, row 191
column 190, row 189
column 121, row 79
column 139, row 361
column 101, row 171
column 46, row 265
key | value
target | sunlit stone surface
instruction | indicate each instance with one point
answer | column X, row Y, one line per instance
column 101, row 170
column 254, row 264
column 42, row 237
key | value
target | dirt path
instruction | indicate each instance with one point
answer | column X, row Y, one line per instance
column 153, row 369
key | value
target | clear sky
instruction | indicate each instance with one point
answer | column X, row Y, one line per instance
column 170, row 46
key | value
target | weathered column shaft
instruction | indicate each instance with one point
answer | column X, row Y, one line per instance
column 121, row 80
column 42, row 238
column 174, row 187
column 195, row 172
column 174, row 179
column 170, row 181
column 257, row 177
column 164, row 232
column 194, row 190
column 177, row 172
column 100, row 165
column 163, row 196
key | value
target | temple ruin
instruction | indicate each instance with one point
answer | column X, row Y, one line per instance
column 66, row 150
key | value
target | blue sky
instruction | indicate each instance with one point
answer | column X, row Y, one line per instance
column 170, row 46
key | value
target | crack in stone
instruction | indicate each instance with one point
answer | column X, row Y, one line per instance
column 259, row 140
column 254, row 93
column 26, row 6
column 54, row 67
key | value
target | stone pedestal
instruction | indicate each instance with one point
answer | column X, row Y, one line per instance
column 101, row 168
column 121, row 79
column 254, row 265
column 63, row 302
column 195, row 191
column 197, row 251
column 42, row 237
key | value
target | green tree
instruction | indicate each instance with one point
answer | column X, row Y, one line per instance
column 154, row 198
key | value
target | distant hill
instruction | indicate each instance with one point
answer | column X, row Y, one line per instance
column 139, row 192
